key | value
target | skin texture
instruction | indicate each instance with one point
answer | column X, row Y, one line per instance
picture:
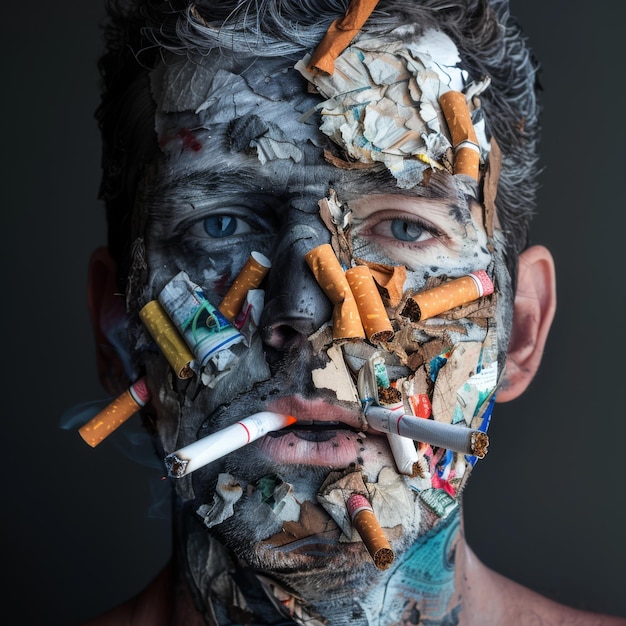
column 209, row 181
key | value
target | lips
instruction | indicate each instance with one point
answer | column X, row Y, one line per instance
column 325, row 435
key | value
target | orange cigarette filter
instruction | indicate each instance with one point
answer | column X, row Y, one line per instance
column 371, row 308
column 366, row 524
column 167, row 337
column 339, row 35
column 464, row 140
column 250, row 277
column 115, row 414
column 331, row 278
column 447, row 296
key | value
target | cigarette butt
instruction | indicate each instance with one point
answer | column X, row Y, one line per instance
column 115, row 413
column 369, row 303
column 331, row 278
column 464, row 140
column 370, row 531
column 390, row 278
column 447, row 296
column 250, row 277
column 167, row 337
column 404, row 454
column 339, row 35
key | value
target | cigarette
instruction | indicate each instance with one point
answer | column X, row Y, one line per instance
column 339, row 35
column 250, row 277
column 168, row 339
column 456, row 438
column 223, row 442
column 404, row 454
column 370, row 531
column 115, row 413
column 464, row 140
column 369, row 303
column 331, row 278
column 447, row 296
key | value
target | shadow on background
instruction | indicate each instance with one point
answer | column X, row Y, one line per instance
column 80, row 530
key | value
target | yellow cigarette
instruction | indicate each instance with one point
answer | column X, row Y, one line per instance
column 331, row 278
column 464, row 140
column 250, row 277
column 167, row 337
column 447, row 296
column 115, row 413
column 371, row 308
column 366, row 524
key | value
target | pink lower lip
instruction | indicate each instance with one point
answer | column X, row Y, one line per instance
column 335, row 453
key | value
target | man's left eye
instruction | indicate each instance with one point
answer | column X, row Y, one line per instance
column 220, row 226
column 406, row 231
column 401, row 230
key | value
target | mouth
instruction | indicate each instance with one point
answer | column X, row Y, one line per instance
column 324, row 435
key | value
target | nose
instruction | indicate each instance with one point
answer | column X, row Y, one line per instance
column 295, row 304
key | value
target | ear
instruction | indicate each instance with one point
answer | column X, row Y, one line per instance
column 108, row 319
column 534, row 308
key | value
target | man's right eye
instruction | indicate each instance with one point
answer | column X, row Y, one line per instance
column 220, row 226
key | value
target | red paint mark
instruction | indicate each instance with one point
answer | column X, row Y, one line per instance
column 190, row 142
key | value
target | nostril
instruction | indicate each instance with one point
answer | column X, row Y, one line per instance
column 282, row 337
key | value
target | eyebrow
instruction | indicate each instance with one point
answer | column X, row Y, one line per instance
column 210, row 181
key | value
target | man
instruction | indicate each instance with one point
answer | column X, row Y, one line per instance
column 377, row 163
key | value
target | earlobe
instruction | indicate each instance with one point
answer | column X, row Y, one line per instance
column 534, row 309
column 108, row 318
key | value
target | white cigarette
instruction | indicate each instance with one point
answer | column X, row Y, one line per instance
column 404, row 454
column 439, row 434
column 223, row 442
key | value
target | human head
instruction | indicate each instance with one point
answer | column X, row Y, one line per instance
column 208, row 127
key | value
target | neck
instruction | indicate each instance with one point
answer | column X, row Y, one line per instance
column 421, row 587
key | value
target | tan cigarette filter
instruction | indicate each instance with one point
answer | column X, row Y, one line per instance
column 339, row 35
column 447, row 296
column 167, row 337
column 111, row 417
column 371, row 308
column 331, row 278
column 370, row 531
column 467, row 156
column 250, row 277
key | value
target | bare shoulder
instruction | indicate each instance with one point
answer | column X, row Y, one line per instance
column 490, row 599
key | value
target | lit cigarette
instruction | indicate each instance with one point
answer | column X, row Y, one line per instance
column 331, row 278
column 371, row 308
column 447, row 296
column 250, row 277
column 464, row 140
column 116, row 413
column 370, row 531
column 438, row 434
column 168, row 339
column 223, row 442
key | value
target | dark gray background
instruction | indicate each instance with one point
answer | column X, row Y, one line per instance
column 77, row 534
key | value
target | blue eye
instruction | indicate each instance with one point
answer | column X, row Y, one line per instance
column 406, row 231
column 220, row 226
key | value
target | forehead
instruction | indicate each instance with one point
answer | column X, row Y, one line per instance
column 252, row 122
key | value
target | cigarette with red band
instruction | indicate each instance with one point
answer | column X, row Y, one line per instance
column 453, row 437
column 365, row 522
column 115, row 413
column 223, row 442
column 447, row 296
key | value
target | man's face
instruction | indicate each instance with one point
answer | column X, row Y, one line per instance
column 245, row 174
